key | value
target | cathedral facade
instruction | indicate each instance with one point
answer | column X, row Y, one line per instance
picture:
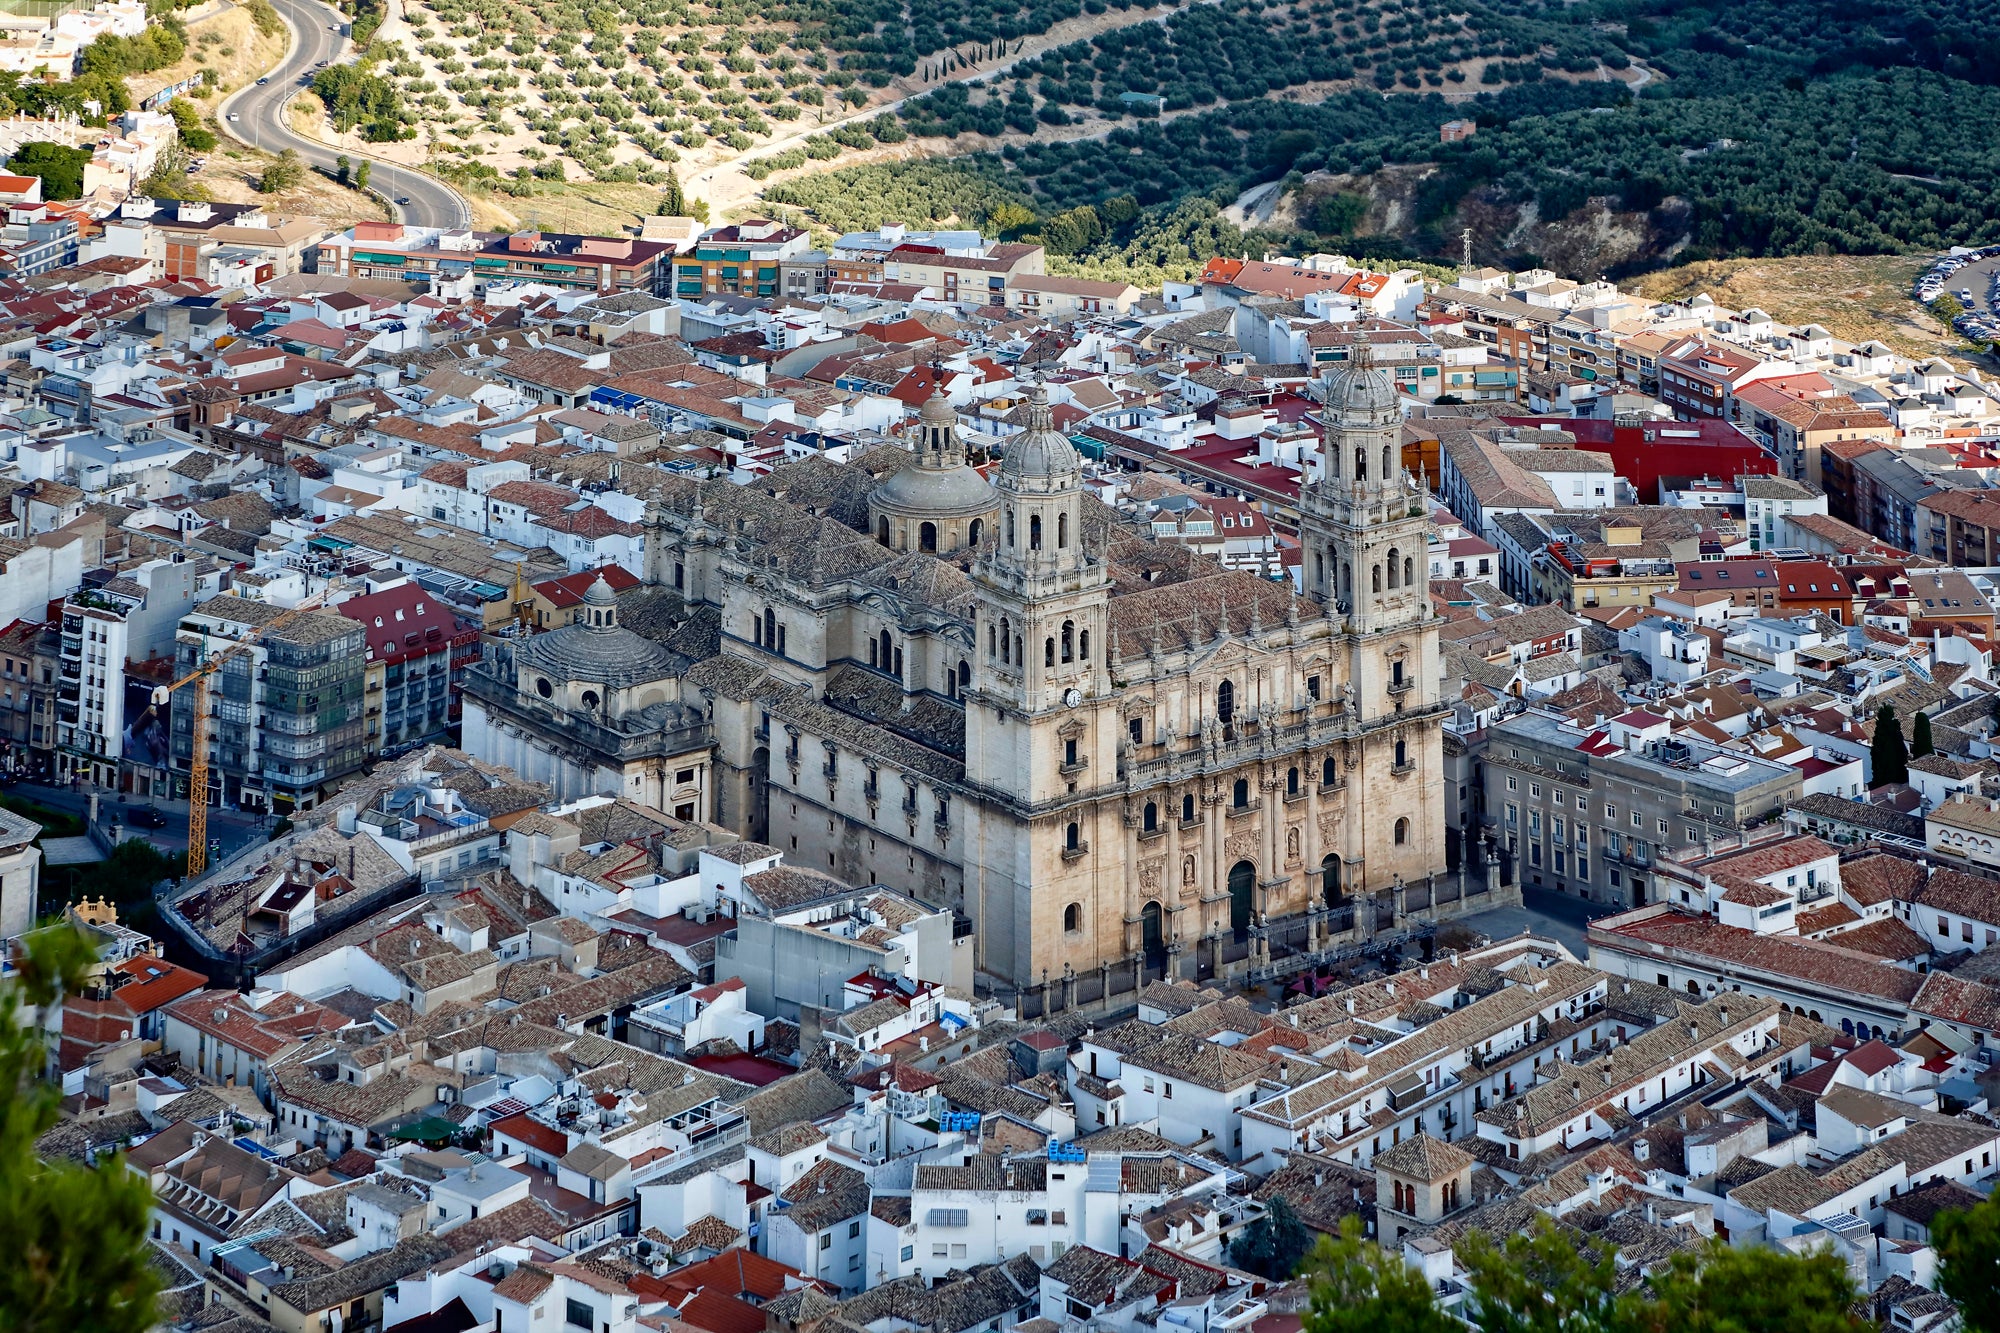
column 1112, row 757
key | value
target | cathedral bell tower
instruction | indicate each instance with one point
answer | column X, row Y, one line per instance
column 1041, row 672
column 1362, row 526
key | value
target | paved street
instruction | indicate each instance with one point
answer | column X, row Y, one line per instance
column 235, row 829
column 256, row 116
column 1555, row 915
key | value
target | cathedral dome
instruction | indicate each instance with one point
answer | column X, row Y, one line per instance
column 597, row 648
column 1041, row 451
column 942, row 492
column 937, row 411
column 1362, row 391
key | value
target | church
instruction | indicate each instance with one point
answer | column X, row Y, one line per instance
column 1112, row 758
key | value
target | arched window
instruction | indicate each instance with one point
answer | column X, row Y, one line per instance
column 1402, row 753
column 1291, row 782
column 992, row 642
column 1319, row 571
column 888, row 650
column 590, row 699
column 1240, row 794
column 1402, row 832
column 964, row 673
column 1069, row 641
column 1396, row 672
column 1062, row 531
column 1072, row 837
column 1225, row 701
column 770, row 628
column 1010, row 527
column 1361, row 465
column 1395, row 565
column 1048, row 652
column 882, row 530
column 1073, row 918
column 1375, row 579
column 1034, row 532
column 1020, row 651
column 1329, row 772
column 1083, row 645
column 1329, row 881
column 927, row 536
column 1187, row 809
column 1149, row 819
column 1386, row 473
column 1346, row 582
column 1242, row 885
column 1005, row 631
column 975, row 532
column 1409, row 572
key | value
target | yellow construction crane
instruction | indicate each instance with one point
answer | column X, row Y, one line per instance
column 197, row 851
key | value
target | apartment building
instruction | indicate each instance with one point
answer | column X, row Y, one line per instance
column 286, row 713
column 417, row 654
column 127, row 619
column 29, row 658
column 560, row 259
column 742, row 259
column 1588, row 811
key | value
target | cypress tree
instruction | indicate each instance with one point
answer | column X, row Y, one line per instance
column 1890, row 755
column 1920, row 737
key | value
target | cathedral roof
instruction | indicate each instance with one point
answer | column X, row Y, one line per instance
column 1197, row 610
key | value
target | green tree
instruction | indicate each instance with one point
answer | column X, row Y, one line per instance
column 1544, row 1280
column 1946, row 307
column 1338, row 214
column 361, row 173
column 75, row 1235
column 285, row 173
column 1921, row 743
column 1359, row 1287
column 1009, row 218
column 1724, row 1289
column 341, row 167
column 60, row 168
column 1968, row 1247
column 194, row 136
column 1274, row 1243
column 673, row 203
column 1891, row 758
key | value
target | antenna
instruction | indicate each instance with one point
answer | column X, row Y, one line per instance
column 1465, row 242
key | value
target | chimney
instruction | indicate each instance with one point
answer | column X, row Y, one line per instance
column 1694, row 1032
column 1575, row 1090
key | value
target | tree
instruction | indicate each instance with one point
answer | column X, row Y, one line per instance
column 1891, row 758
column 1545, row 1280
column 341, row 167
column 673, row 203
column 60, row 168
column 1359, row 1287
column 1274, row 1243
column 1946, row 308
column 75, row 1235
column 1920, row 737
column 1968, row 1247
column 194, row 136
column 361, row 172
column 1724, row 1289
column 1337, row 214
column 285, row 173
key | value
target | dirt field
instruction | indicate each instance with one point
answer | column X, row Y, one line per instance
column 231, row 178
column 1856, row 297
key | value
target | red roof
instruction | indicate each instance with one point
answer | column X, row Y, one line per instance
column 533, row 1133
column 404, row 622
column 155, row 982
column 1872, row 1057
column 732, row 1273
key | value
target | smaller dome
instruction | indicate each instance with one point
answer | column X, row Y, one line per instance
column 1361, row 390
column 1040, row 451
column 924, row 492
column 937, row 411
column 599, row 593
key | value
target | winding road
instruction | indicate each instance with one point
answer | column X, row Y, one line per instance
column 256, row 116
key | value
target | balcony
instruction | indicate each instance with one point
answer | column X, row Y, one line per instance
column 1077, row 852
column 1403, row 769
column 1069, row 768
column 1398, row 688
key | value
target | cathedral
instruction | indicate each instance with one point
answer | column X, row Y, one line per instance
column 1111, row 757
